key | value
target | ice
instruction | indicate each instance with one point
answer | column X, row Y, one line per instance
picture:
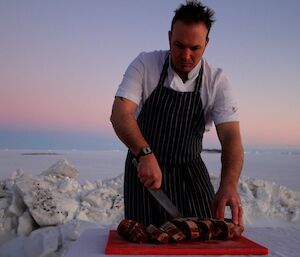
column 61, row 168
column 25, row 224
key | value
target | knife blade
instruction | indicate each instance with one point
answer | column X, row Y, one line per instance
column 163, row 199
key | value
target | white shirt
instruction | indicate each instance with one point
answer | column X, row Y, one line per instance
column 142, row 76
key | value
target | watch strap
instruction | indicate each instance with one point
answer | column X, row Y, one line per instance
column 144, row 151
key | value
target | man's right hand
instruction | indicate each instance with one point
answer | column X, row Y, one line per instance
column 149, row 172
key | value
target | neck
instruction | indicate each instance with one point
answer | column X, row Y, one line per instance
column 183, row 75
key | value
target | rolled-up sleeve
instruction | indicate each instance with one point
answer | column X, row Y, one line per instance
column 131, row 84
column 225, row 108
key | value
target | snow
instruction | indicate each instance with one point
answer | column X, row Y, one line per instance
column 53, row 213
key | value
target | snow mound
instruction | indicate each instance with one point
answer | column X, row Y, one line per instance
column 39, row 208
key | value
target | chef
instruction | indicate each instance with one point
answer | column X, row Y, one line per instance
column 165, row 102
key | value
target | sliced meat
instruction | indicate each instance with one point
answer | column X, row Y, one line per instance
column 206, row 228
column 226, row 229
column 188, row 227
column 221, row 229
column 174, row 233
column 132, row 231
column 157, row 235
column 179, row 229
column 138, row 233
column 233, row 229
column 124, row 228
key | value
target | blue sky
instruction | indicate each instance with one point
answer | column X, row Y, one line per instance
column 61, row 63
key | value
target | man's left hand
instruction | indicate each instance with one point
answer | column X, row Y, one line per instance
column 227, row 195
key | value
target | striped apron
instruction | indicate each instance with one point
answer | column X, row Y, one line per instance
column 173, row 124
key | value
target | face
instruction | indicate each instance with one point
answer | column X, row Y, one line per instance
column 187, row 45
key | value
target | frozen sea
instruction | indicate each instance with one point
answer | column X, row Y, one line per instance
column 281, row 166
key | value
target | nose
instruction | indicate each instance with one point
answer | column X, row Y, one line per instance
column 186, row 54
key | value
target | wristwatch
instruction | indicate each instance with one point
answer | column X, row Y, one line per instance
column 144, row 151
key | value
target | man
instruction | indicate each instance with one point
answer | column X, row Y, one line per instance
column 175, row 95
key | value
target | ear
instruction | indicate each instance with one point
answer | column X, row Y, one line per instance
column 206, row 43
column 207, row 40
column 170, row 37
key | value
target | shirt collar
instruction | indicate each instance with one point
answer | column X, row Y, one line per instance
column 192, row 74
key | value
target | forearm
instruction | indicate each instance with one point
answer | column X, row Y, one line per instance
column 126, row 126
column 232, row 162
column 232, row 153
column 129, row 133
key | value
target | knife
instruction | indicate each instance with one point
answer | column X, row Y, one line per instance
column 163, row 199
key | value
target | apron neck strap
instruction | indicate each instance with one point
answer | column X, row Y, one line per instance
column 199, row 79
column 164, row 72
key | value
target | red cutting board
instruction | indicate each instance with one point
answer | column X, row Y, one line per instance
column 238, row 246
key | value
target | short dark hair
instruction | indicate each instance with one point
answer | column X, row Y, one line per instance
column 194, row 12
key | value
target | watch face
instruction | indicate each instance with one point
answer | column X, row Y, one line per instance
column 147, row 150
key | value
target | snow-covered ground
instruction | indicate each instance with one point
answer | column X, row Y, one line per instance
column 45, row 207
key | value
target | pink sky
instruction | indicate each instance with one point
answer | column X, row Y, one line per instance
column 43, row 109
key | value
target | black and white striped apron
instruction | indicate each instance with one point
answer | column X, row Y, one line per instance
column 173, row 124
